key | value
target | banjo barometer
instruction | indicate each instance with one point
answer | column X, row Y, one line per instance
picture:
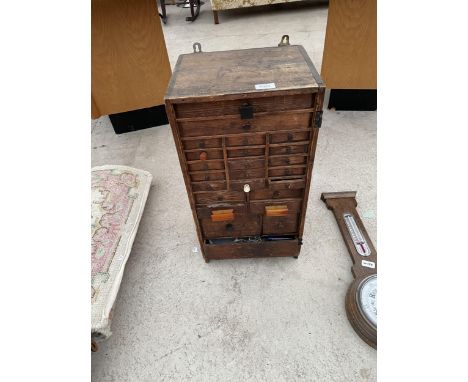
column 361, row 298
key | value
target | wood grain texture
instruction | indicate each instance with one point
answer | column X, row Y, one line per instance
column 350, row 52
column 233, row 72
column 130, row 68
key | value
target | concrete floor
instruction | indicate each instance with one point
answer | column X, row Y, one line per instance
column 179, row 319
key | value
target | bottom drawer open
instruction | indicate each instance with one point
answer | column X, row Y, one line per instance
column 281, row 247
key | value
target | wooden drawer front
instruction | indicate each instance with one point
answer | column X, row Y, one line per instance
column 290, row 137
column 255, row 184
column 217, row 197
column 242, row 225
column 286, row 171
column 206, row 154
column 287, row 160
column 208, row 186
column 246, row 164
column 245, row 152
column 294, row 206
column 275, row 194
column 202, row 143
column 247, row 174
column 245, row 140
column 204, row 165
column 265, row 104
column 207, row 176
column 280, row 225
column 204, row 212
column 238, row 126
column 286, row 184
column 289, row 149
column 246, row 250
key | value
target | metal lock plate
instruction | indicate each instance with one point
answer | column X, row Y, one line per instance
column 246, row 111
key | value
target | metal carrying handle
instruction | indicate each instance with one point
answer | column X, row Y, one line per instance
column 284, row 40
column 195, row 44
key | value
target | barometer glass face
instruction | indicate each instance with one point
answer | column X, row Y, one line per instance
column 367, row 299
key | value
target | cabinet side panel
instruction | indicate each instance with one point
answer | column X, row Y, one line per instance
column 183, row 166
column 310, row 165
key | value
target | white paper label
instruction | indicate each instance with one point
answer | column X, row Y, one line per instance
column 271, row 85
column 368, row 264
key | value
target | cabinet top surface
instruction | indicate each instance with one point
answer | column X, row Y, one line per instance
column 247, row 71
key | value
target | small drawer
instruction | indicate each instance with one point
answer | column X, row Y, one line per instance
column 241, row 225
column 207, row 176
column 286, row 184
column 246, row 164
column 255, row 184
column 245, row 140
column 204, row 165
column 204, row 154
column 276, row 194
column 286, row 171
column 289, row 149
column 287, row 160
column 293, row 206
column 208, row 186
column 245, row 152
column 247, row 174
column 218, row 197
column 280, row 224
column 231, row 107
column 289, row 137
column 204, row 212
column 207, row 143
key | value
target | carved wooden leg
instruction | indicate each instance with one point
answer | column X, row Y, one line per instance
column 215, row 17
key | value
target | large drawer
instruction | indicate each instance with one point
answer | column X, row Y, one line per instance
column 241, row 225
column 238, row 126
column 253, row 249
column 231, row 107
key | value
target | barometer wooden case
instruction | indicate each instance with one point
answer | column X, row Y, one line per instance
column 361, row 298
column 245, row 124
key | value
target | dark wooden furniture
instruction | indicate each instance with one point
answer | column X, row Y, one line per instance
column 245, row 123
column 361, row 298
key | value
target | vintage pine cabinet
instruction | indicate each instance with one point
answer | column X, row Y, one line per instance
column 245, row 124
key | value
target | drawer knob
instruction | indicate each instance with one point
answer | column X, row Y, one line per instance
column 288, row 150
column 207, row 177
column 246, row 188
column 247, row 126
column 276, row 194
column 203, row 155
column 229, row 227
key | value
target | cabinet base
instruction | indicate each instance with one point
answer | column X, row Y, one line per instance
column 284, row 248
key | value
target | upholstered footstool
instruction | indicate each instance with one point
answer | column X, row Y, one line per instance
column 118, row 197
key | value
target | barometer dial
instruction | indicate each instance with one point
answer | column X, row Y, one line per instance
column 367, row 299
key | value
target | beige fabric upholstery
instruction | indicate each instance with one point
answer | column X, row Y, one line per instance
column 218, row 5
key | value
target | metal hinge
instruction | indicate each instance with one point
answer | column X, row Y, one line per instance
column 318, row 119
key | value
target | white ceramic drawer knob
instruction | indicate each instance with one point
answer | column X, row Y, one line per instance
column 246, row 188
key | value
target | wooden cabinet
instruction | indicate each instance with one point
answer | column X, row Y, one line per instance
column 245, row 124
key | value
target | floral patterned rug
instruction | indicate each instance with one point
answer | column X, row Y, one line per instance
column 118, row 197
